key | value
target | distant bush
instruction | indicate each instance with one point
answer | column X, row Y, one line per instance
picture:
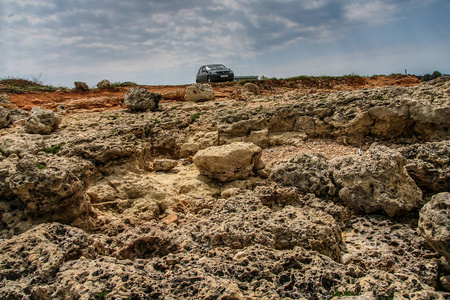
column 428, row 77
column 123, row 84
column 20, row 85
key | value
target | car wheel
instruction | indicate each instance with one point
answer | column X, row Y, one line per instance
column 208, row 79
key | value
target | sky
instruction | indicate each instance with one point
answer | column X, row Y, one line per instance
column 165, row 42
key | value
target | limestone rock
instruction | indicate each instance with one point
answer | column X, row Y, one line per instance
column 228, row 162
column 4, row 101
column 199, row 92
column 21, row 144
column 42, row 121
column 434, row 223
column 81, row 86
column 250, row 88
column 17, row 114
column 33, row 258
column 51, row 187
column 164, row 164
column 139, row 99
column 376, row 181
column 4, row 117
column 429, row 165
column 104, row 84
column 310, row 173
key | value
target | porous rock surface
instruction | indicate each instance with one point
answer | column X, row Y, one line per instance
column 81, row 86
column 42, row 121
column 86, row 215
column 434, row 223
column 104, row 84
column 376, row 181
column 139, row 99
column 228, row 162
column 199, row 92
column 4, row 117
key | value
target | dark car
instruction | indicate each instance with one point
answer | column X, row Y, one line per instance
column 214, row 73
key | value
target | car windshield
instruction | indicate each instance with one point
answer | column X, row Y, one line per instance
column 217, row 67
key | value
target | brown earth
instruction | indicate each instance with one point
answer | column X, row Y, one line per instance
column 101, row 100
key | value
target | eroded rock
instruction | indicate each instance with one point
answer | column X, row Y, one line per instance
column 4, row 117
column 376, row 181
column 42, row 121
column 199, row 92
column 434, row 223
column 228, row 162
column 81, row 86
column 104, row 84
column 139, row 99
column 310, row 173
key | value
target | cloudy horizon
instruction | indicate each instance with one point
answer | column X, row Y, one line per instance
column 165, row 42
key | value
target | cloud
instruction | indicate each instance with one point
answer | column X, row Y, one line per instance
column 372, row 12
column 116, row 36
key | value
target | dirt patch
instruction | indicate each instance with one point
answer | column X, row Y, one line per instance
column 100, row 100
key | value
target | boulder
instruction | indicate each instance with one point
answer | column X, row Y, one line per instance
column 434, row 223
column 228, row 162
column 250, row 88
column 199, row 92
column 81, row 86
column 104, row 84
column 42, row 121
column 4, row 117
column 376, row 181
column 139, row 99
column 51, row 187
column 429, row 165
column 310, row 173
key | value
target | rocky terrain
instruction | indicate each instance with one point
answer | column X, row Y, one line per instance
column 232, row 191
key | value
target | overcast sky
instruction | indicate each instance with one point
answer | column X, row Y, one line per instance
column 165, row 42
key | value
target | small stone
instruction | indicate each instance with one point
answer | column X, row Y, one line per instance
column 445, row 282
column 164, row 164
column 170, row 218
column 104, row 84
column 81, row 86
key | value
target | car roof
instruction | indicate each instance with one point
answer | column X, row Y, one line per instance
column 213, row 65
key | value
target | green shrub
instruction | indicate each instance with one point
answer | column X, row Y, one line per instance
column 53, row 150
column 41, row 166
column 195, row 117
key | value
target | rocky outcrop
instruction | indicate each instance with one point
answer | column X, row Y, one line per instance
column 42, row 121
column 306, row 226
column 429, row 165
column 22, row 144
column 434, row 223
column 199, row 92
column 104, row 84
column 376, row 181
column 81, row 86
column 36, row 256
column 4, row 117
column 310, row 173
column 228, row 162
column 139, row 99
column 43, row 188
